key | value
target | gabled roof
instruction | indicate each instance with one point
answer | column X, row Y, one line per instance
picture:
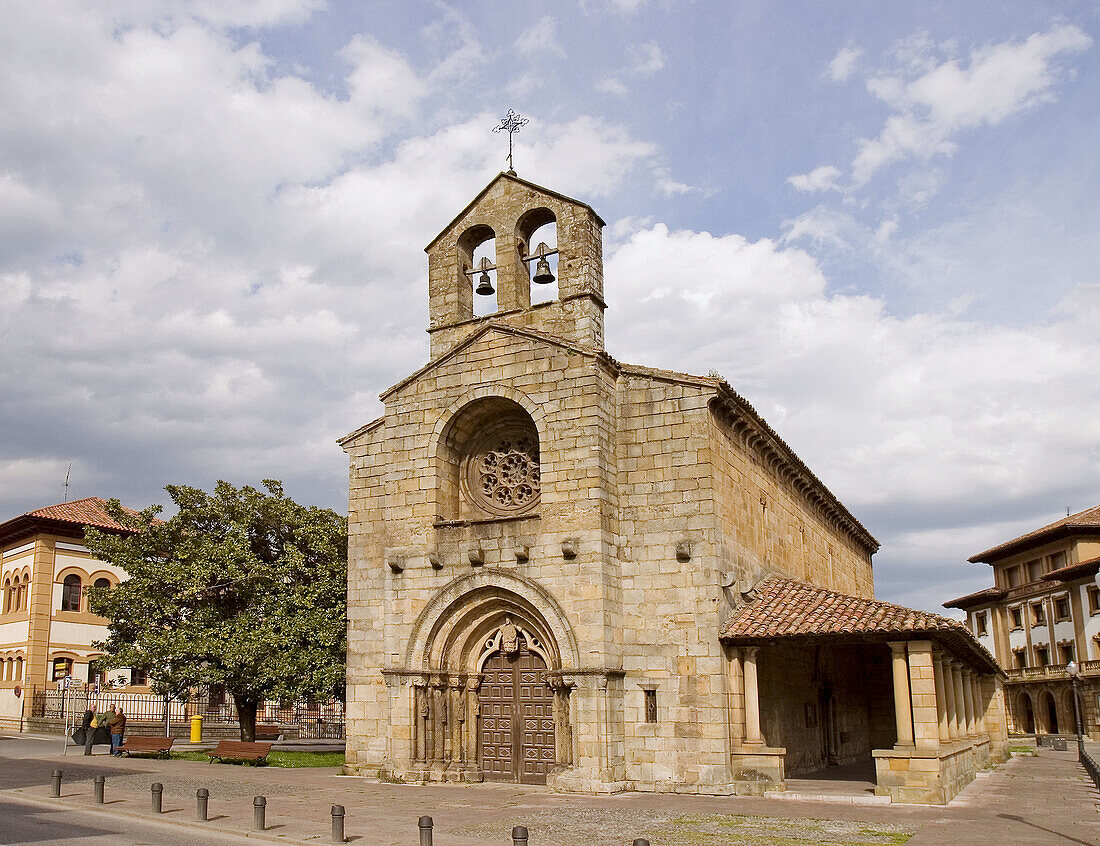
column 786, row 608
column 65, row 518
column 1085, row 522
column 512, row 177
column 972, row 600
column 1081, row 570
column 504, row 328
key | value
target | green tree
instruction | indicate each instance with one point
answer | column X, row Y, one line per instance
column 240, row 588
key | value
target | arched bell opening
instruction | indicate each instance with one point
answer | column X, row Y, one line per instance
column 537, row 242
column 492, row 704
column 477, row 270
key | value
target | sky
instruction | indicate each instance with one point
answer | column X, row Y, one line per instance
column 877, row 221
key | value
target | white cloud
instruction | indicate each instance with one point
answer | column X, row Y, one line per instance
column 907, row 419
column 208, row 271
column 539, row 40
column 946, row 98
column 823, row 178
column 645, row 59
column 844, row 63
column 611, row 85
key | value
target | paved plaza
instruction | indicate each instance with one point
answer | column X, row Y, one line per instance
column 1046, row 799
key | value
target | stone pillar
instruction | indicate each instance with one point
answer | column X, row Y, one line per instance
column 960, row 698
column 968, row 698
column 941, row 697
column 735, row 697
column 752, row 696
column 952, row 704
column 922, row 695
column 902, row 705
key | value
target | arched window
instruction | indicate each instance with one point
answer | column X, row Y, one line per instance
column 24, row 590
column 70, row 593
column 19, row 669
column 489, row 462
column 102, row 583
column 7, row 595
column 62, row 667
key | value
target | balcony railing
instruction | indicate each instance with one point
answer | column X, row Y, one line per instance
column 1052, row 672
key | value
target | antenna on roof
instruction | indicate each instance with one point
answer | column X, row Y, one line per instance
column 1067, row 511
column 67, row 472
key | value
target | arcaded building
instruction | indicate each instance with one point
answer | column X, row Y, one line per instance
column 1041, row 618
column 603, row 576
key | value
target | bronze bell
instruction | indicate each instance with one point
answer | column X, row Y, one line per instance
column 484, row 286
column 543, row 276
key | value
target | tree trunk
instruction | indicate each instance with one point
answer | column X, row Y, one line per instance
column 246, row 714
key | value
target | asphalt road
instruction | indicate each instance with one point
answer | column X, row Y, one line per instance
column 32, row 823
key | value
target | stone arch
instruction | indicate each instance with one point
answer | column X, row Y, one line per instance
column 465, row 246
column 447, row 630
column 466, row 429
column 1049, row 707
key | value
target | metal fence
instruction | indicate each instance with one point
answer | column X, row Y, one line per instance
column 1089, row 764
column 314, row 719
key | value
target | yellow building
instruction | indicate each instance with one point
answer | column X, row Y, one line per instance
column 46, row 629
column 1041, row 615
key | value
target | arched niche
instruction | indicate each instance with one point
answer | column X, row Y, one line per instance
column 488, row 461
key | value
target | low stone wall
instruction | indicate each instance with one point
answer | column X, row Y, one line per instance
column 910, row 775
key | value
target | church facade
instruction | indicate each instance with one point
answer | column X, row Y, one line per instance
column 569, row 570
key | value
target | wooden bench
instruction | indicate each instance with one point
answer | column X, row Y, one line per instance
column 138, row 745
column 268, row 731
column 239, row 750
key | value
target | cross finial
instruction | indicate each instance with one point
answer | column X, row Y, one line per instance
column 511, row 123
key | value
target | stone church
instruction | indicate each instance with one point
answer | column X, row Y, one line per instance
column 570, row 570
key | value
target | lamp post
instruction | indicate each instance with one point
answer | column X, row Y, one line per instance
column 1074, row 670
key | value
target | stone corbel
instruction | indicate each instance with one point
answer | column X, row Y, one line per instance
column 522, row 553
column 477, row 556
column 569, row 548
column 395, row 561
column 683, row 551
column 435, row 558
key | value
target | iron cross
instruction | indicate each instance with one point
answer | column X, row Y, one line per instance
column 511, row 123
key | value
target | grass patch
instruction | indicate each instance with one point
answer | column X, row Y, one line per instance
column 281, row 759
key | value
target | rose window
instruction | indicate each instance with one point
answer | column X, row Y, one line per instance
column 503, row 472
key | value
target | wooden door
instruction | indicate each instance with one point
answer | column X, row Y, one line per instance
column 517, row 721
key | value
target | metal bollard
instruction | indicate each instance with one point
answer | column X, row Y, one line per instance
column 98, row 783
column 641, row 841
column 259, row 807
column 156, row 790
column 56, row 791
column 519, row 835
column 425, row 824
column 337, row 823
column 202, row 796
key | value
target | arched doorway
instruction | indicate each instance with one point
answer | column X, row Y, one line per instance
column 1027, row 714
column 1051, row 713
column 517, row 713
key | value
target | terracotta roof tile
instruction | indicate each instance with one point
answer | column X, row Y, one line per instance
column 787, row 607
column 1087, row 520
column 989, row 594
column 83, row 512
column 1080, row 570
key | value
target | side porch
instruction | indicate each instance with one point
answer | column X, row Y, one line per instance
column 819, row 681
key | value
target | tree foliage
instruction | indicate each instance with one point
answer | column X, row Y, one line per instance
column 240, row 588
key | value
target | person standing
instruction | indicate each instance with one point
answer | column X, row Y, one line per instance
column 89, row 732
column 117, row 725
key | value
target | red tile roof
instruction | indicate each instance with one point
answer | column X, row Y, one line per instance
column 91, row 511
column 981, row 597
column 1083, row 522
column 788, row 608
column 1080, row 570
column 66, row 518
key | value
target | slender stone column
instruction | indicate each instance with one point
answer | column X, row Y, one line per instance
column 941, row 696
column 979, row 703
column 902, row 708
column 972, row 710
column 960, row 698
column 736, row 704
column 952, row 704
column 752, row 695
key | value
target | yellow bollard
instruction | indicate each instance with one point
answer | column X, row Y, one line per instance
column 196, row 729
